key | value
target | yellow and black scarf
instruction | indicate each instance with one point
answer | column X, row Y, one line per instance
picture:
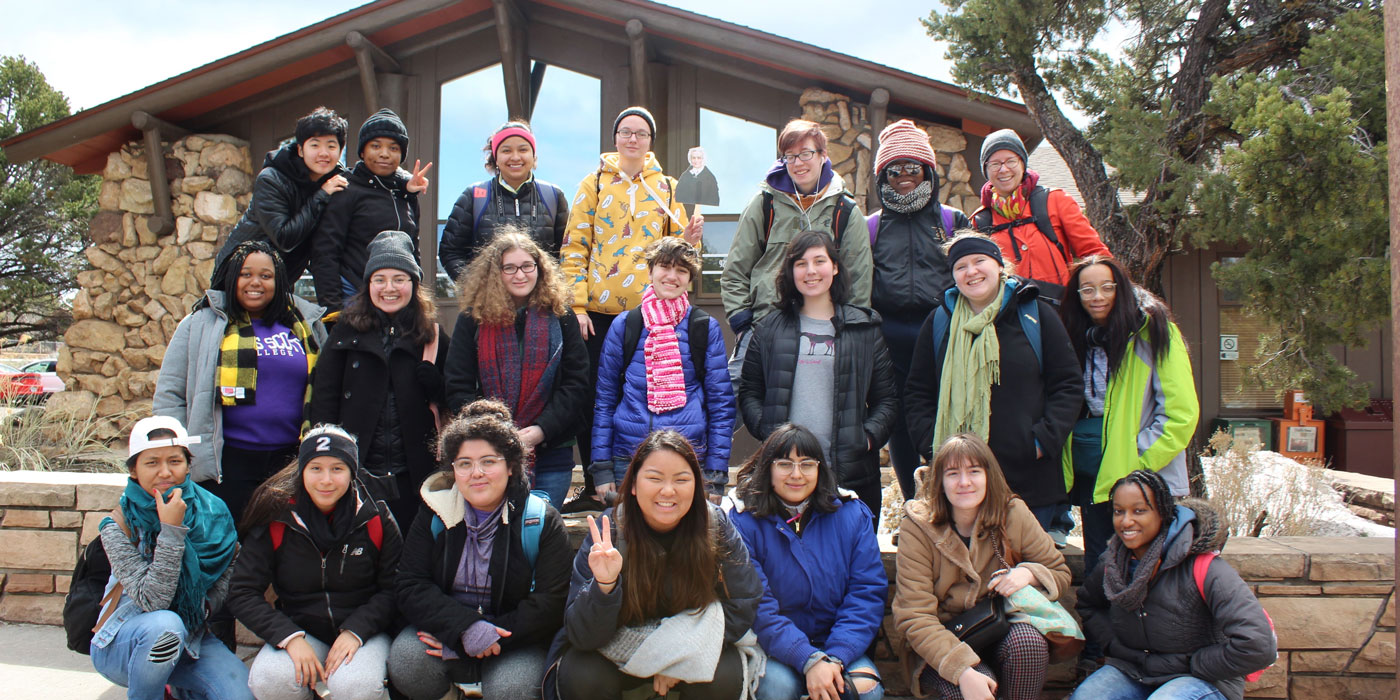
column 237, row 377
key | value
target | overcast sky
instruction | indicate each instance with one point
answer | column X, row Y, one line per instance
column 94, row 51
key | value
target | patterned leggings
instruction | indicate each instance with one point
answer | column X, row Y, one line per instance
column 1021, row 658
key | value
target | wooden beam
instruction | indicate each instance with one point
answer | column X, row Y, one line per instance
column 879, row 113
column 382, row 60
column 163, row 221
column 637, row 61
column 370, row 60
column 536, row 80
column 510, row 35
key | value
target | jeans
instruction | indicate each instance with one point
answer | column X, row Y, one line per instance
column 1108, row 683
column 900, row 334
column 273, row 676
column 1053, row 516
column 594, row 343
column 554, row 470
column 149, row 652
column 783, row 682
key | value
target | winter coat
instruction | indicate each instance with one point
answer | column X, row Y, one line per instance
column 348, row 588
column 464, row 234
column 368, row 205
column 823, row 591
column 621, row 417
column 611, row 222
column 186, row 387
column 748, row 284
column 1219, row 637
column 1150, row 416
column 911, row 269
column 1031, row 406
column 285, row 210
column 1035, row 256
column 353, row 384
column 865, row 403
column 569, row 399
column 590, row 620
column 939, row 578
column 430, row 562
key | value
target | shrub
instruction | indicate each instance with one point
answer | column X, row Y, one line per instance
column 36, row 439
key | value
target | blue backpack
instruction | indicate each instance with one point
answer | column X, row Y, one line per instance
column 1028, row 310
column 529, row 530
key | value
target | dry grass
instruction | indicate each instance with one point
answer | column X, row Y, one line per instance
column 1281, row 499
column 35, row 439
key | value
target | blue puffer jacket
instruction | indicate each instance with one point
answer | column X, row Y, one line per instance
column 622, row 419
column 823, row 591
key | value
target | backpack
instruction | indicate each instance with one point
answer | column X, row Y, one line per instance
column 81, row 605
column 872, row 222
column 482, row 196
column 1040, row 216
column 530, row 528
column 845, row 206
column 1028, row 310
column 1199, row 566
column 277, row 529
column 699, row 339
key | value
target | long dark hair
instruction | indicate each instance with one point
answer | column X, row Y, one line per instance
column 1123, row 320
column 281, row 309
column 789, row 299
column 658, row 583
column 361, row 314
column 755, row 487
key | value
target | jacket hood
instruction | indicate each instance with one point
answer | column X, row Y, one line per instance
column 285, row 160
column 779, row 179
column 439, row 492
column 849, row 315
column 361, row 174
column 1197, row 528
column 1015, row 288
column 649, row 166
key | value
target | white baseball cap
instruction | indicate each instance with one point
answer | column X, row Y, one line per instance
column 141, row 440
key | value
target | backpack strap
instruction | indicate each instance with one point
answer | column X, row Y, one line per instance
column 699, row 342
column 1199, row 566
column 1029, row 313
column 276, row 530
column 872, row 222
column 531, row 527
column 1040, row 211
column 437, row 526
column 948, row 221
column 482, row 194
column 940, row 328
column 767, row 220
column 545, row 195
column 375, row 526
column 631, row 335
column 845, row 206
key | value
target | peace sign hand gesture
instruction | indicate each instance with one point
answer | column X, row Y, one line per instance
column 603, row 557
column 419, row 181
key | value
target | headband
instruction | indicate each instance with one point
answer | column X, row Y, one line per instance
column 508, row 132
column 974, row 245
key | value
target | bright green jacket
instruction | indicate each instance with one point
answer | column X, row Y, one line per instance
column 1150, row 414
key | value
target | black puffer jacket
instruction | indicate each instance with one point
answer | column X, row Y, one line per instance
column 1218, row 638
column 1031, row 403
column 463, row 234
column 285, row 210
column 350, row 587
column 352, row 385
column 865, row 400
column 430, row 563
column 368, row 205
column 911, row 270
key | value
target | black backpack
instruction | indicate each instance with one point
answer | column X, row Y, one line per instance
column 1040, row 216
column 845, row 205
column 84, row 599
column 699, row 339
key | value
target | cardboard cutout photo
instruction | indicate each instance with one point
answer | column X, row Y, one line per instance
column 697, row 185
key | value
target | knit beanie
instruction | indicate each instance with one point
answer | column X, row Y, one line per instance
column 635, row 112
column 387, row 124
column 392, row 250
column 973, row 245
column 903, row 140
column 323, row 442
column 1004, row 140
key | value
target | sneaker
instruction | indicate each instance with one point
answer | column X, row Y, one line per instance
column 582, row 503
column 470, row 690
column 1060, row 538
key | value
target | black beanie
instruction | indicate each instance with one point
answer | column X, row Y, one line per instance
column 392, row 250
column 386, row 124
column 328, row 443
column 636, row 112
column 973, row 245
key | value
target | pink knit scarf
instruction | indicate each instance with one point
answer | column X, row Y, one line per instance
column 665, row 375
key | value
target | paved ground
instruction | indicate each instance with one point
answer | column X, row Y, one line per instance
column 35, row 664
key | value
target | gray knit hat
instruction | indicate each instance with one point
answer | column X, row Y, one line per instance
column 1004, row 140
column 636, row 112
column 393, row 250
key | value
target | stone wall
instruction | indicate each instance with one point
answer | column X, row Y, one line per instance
column 849, row 140
column 140, row 285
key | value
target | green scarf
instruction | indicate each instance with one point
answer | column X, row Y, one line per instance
column 971, row 366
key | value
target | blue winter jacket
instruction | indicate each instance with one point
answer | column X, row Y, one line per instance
column 823, row 591
column 622, row 419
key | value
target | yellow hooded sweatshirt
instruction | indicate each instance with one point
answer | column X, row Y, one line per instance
column 612, row 221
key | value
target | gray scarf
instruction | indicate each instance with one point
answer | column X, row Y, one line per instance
column 1121, row 591
column 917, row 198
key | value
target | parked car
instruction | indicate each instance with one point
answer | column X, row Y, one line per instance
column 47, row 370
column 20, row 387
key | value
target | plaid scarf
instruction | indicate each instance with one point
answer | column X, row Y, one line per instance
column 237, row 374
column 521, row 371
column 662, row 351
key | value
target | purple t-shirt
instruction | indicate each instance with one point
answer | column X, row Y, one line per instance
column 274, row 420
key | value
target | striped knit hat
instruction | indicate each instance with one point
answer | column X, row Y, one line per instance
column 904, row 140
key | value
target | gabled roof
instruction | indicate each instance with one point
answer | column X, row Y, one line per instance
column 83, row 140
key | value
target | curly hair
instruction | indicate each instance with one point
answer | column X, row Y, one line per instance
column 483, row 293
column 673, row 251
column 755, row 481
column 488, row 420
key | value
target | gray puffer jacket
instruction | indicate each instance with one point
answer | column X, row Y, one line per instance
column 185, row 388
column 1219, row 637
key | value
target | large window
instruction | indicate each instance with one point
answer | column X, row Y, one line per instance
column 738, row 153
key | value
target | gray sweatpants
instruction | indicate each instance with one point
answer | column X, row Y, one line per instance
column 273, row 676
column 514, row 675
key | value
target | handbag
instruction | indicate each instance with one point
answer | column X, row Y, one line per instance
column 985, row 624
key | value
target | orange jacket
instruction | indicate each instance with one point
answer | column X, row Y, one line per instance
column 1035, row 256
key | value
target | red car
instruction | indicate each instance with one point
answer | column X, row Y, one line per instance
column 17, row 386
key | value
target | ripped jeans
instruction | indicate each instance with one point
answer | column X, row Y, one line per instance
column 149, row 651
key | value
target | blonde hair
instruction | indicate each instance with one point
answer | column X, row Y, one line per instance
column 482, row 290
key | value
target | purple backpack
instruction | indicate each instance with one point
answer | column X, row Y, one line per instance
column 872, row 222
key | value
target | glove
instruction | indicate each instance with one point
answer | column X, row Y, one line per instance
column 429, row 378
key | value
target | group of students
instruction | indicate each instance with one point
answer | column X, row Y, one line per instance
column 1021, row 361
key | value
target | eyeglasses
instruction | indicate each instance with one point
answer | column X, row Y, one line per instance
column 1088, row 291
column 1009, row 163
column 626, row 134
column 903, row 169
column 510, row 270
column 786, row 465
column 804, row 156
column 485, row 465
